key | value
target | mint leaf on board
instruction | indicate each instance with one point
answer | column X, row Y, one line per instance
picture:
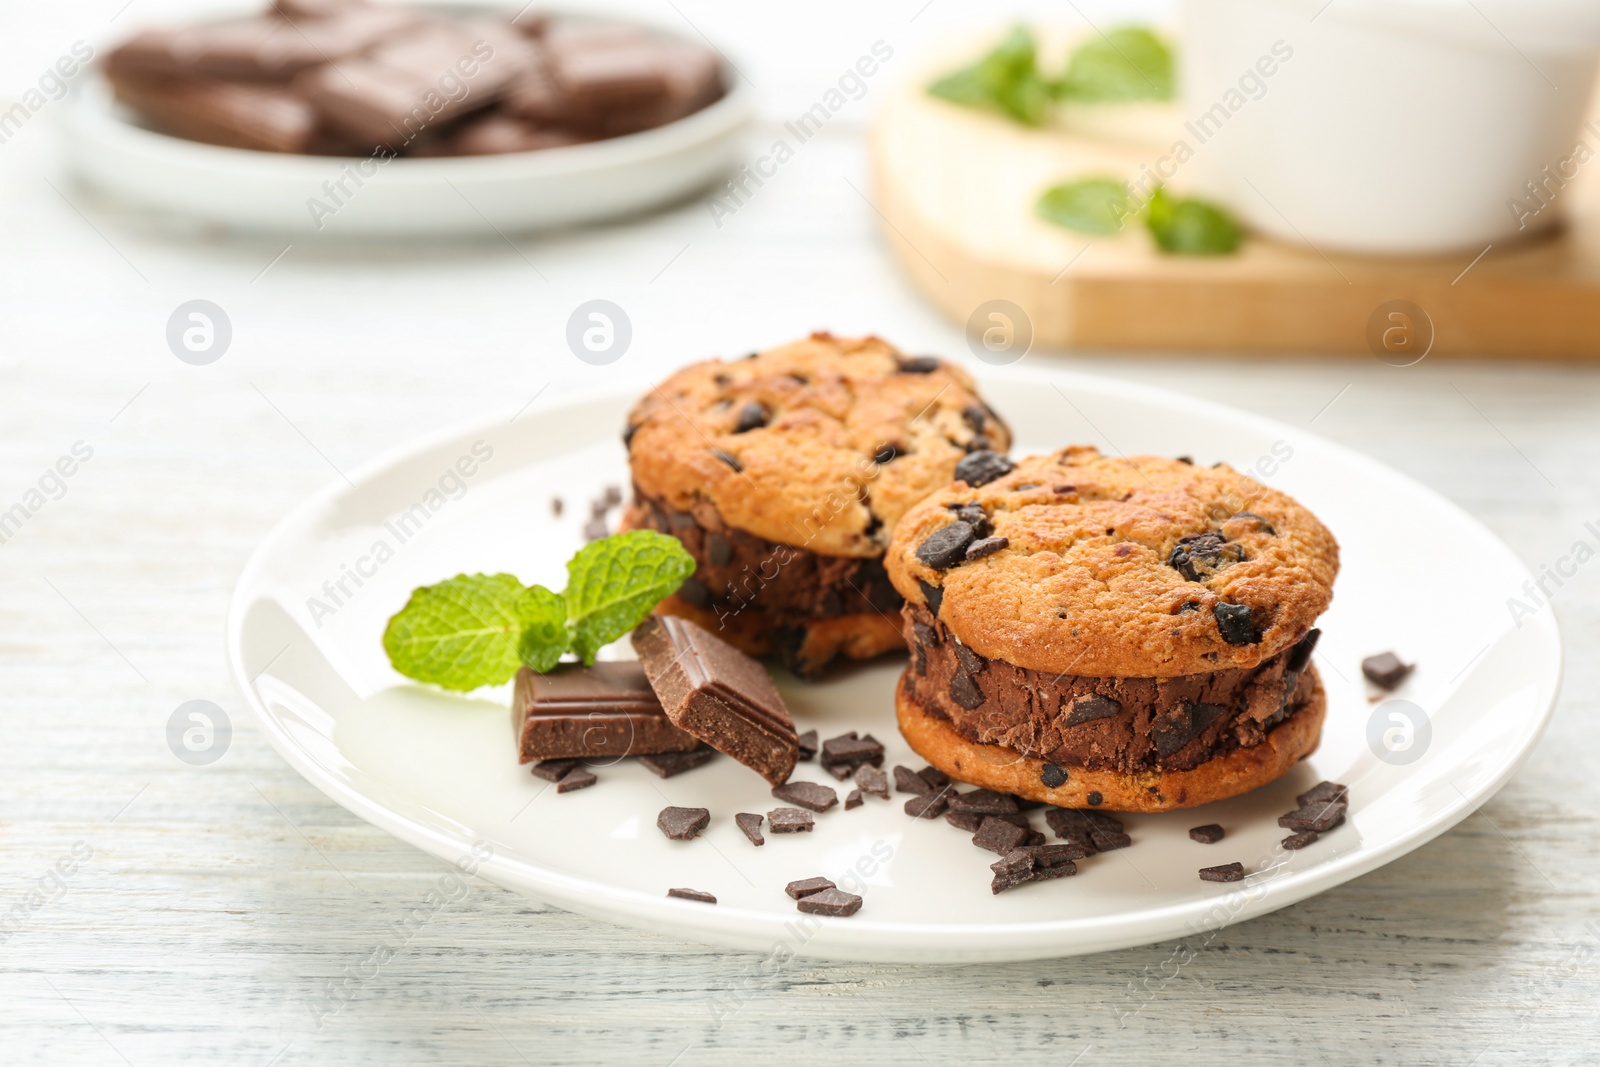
column 461, row 633
column 544, row 628
column 1090, row 205
column 613, row 583
column 1127, row 63
column 1190, row 227
column 1007, row 80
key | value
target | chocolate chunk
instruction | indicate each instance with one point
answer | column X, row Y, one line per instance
column 790, row 821
column 925, row 635
column 728, row 459
column 1095, row 799
column 1227, row 872
column 577, row 778
column 918, row 364
column 692, row 894
column 1295, row 842
column 1324, row 792
column 997, row 835
column 970, row 660
column 1318, row 817
column 870, row 779
column 1235, row 625
column 840, row 771
column 1033, row 864
column 982, row 467
column 1092, row 707
column 1108, row 840
column 720, row 695
column 964, row 690
column 810, row 795
column 667, row 764
column 849, row 752
column 984, row 802
column 1010, row 879
column 830, row 902
column 907, row 780
column 612, row 496
column 596, row 529
column 853, row 799
column 807, row 745
column 806, row 886
column 1209, row 834
column 1385, row 670
column 608, row 709
column 1183, row 724
column 1199, row 556
column 1056, row 855
column 973, row 515
column 965, row 820
column 1053, row 775
column 975, row 416
column 693, row 591
column 1259, row 521
column 934, row 777
column 887, row 453
column 986, row 546
column 946, row 547
column 682, row 824
column 1300, row 654
column 751, row 825
column 928, row 806
column 932, row 595
column 718, row 550
column 553, row 770
column 1072, row 825
column 751, row 417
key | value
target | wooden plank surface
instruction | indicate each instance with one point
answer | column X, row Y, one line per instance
column 221, row 902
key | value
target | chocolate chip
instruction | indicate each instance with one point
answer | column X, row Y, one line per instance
column 751, row 825
column 1209, row 834
column 975, row 416
column 971, row 662
column 553, row 770
column 1263, row 523
column 1053, row 775
column 1186, row 607
column 1235, row 625
column 853, row 799
column 718, row 550
column 934, row 777
column 979, row 443
column 965, row 820
column 811, row 795
column 929, row 806
column 627, row 434
column 926, row 635
column 886, row 453
column 997, row 835
column 830, row 902
column 667, row 764
column 751, row 417
column 682, row 824
column 596, row 529
column 1187, row 461
column 1295, row 842
column 804, row 887
column 986, row 546
column 971, row 512
column 870, row 779
column 1095, row 799
column 1107, row 839
column 907, row 780
column 1176, row 728
column 1072, row 825
column 577, row 778
column 790, row 821
column 848, row 752
column 612, row 495
column 808, row 745
column 964, row 691
column 933, row 595
column 946, row 547
column 984, row 802
column 1300, row 654
column 1324, row 793
column 1385, row 670
column 1199, row 556
column 918, row 364
column 694, row 592
column 1091, row 707
column 1227, row 872
column 556, row 506
column 692, row 894
column 1318, row 817
column 729, row 460
column 982, row 467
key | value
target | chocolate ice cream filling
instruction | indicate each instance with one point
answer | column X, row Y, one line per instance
column 1126, row 725
column 737, row 571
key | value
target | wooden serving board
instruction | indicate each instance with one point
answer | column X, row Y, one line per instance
column 956, row 188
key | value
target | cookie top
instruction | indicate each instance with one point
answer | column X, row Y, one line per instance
column 822, row 444
column 1133, row 567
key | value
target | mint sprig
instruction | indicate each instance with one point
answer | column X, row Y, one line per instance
column 1007, row 81
column 476, row 629
column 1180, row 225
column 1090, row 205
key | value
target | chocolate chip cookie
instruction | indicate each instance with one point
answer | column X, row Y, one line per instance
column 1134, row 633
column 784, row 473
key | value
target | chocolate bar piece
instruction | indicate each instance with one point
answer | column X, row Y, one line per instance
column 720, row 695
column 589, row 712
column 264, row 48
column 266, row 118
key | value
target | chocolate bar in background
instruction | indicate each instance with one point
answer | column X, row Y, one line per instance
column 261, row 49
column 314, row 9
column 720, row 695
column 608, row 710
column 494, row 133
column 266, row 118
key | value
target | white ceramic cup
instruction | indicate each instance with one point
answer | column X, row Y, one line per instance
column 1390, row 126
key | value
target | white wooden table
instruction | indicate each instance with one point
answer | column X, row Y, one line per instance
column 217, row 904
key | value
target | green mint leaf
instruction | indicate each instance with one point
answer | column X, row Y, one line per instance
column 461, row 633
column 1190, row 227
column 1128, row 63
column 1006, row 80
column 1091, row 205
column 544, row 628
column 613, row 583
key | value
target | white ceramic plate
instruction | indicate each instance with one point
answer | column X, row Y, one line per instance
column 439, row 770
column 479, row 195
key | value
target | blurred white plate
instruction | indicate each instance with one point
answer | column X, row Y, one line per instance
column 239, row 189
column 440, row 771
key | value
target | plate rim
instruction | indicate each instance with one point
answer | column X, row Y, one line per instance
column 1012, row 941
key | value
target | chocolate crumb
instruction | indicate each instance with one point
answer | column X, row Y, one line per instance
column 1324, row 793
column 934, row 777
column 830, row 902
column 811, row 795
column 849, row 752
column 683, row 824
column 1318, row 817
column 986, row 546
column 964, row 690
column 553, row 770
column 997, row 835
column 667, row 764
column 1227, row 872
column 804, row 887
column 692, row 894
column 790, row 821
column 965, row 820
column 1209, row 834
column 907, row 780
column 556, row 506
column 751, row 825
column 808, row 745
column 984, row 802
column 853, row 800
column 1095, row 799
column 596, row 529
column 1053, row 775
column 577, row 778
column 873, row 780
column 1091, row 707
column 1386, row 670
column 1300, row 840
column 752, row 416
column 930, row 806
